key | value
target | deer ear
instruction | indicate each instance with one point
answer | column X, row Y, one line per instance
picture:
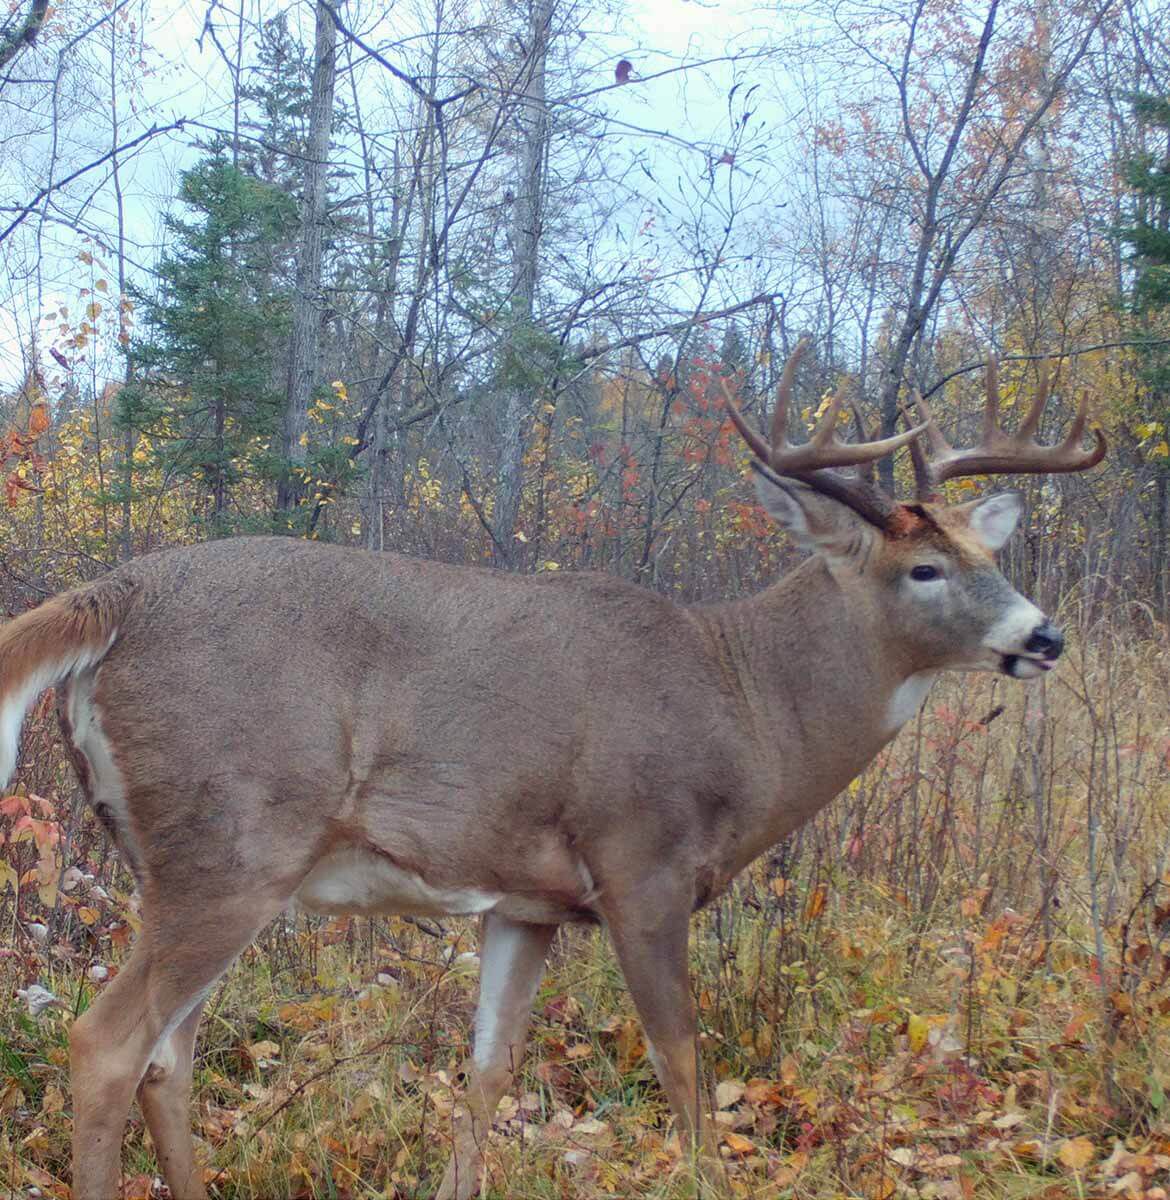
column 817, row 522
column 993, row 519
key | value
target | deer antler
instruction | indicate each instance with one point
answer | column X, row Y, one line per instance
column 1000, row 453
column 811, row 461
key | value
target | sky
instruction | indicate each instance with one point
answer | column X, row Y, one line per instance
column 182, row 73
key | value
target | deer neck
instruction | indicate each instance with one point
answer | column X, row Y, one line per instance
column 821, row 690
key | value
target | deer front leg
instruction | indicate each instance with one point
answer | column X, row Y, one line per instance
column 651, row 944
column 511, row 960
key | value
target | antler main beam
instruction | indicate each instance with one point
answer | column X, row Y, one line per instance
column 1000, row 453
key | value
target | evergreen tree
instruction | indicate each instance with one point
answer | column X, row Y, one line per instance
column 1148, row 237
column 205, row 365
column 278, row 95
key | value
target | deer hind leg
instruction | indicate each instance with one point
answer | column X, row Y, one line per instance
column 511, row 963
column 164, row 1095
column 651, row 944
column 134, row 1020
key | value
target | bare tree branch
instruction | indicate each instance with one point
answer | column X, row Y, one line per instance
column 25, row 210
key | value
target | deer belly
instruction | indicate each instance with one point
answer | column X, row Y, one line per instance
column 351, row 879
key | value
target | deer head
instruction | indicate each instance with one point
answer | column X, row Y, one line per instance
column 925, row 570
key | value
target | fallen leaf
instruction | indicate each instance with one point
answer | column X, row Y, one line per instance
column 1077, row 1153
column 739, row 1145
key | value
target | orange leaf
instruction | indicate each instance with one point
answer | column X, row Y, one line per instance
column 38, row 419
column 816, row 903
column 1077, row 1153
column 738, row 1144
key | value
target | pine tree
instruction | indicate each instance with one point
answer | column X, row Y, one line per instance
column 278, row 99
column 205, row 365
column 1148, row 237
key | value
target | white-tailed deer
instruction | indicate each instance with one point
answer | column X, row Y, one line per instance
column 265, row 720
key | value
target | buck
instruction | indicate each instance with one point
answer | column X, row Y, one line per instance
column 262, row 721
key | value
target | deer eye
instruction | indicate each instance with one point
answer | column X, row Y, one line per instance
column 923, row 572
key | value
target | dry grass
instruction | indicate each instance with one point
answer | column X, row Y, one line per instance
column 952, row 985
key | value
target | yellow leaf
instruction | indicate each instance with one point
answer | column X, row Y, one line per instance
column 262, row 1053
column 88, row 916
column 102, row 285
column 738, row 1144
column 303, row 439
column 917, row 1029
column 93, row 310
column 1077, row 1153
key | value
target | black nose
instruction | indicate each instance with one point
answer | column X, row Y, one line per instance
column 1046, row 639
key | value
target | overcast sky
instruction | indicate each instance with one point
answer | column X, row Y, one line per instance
column 183, row 74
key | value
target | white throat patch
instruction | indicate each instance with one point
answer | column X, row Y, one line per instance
column 907, row 699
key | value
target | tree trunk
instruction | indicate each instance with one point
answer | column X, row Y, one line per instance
column 307, row 300
column 378, row 459
column 528, row 215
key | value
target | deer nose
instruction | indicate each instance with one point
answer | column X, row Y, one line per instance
column 1046, row 640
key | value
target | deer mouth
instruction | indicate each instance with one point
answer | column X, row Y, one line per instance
column 1024, row 666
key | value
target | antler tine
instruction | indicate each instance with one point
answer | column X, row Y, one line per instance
column 1000, row 453
column 865, row 471
column 1031, row 422
column 825, row 449
column 758, row 446
column 939, row 445
column 784, row 395
column 825, row 433
column 923, row 487
column 1073, row 439
column 991, row 406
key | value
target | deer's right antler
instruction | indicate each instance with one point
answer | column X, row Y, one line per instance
column 814, row 462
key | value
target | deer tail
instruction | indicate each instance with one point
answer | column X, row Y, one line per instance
column 51, row 643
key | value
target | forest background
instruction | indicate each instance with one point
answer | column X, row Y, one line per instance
column 462, row 280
